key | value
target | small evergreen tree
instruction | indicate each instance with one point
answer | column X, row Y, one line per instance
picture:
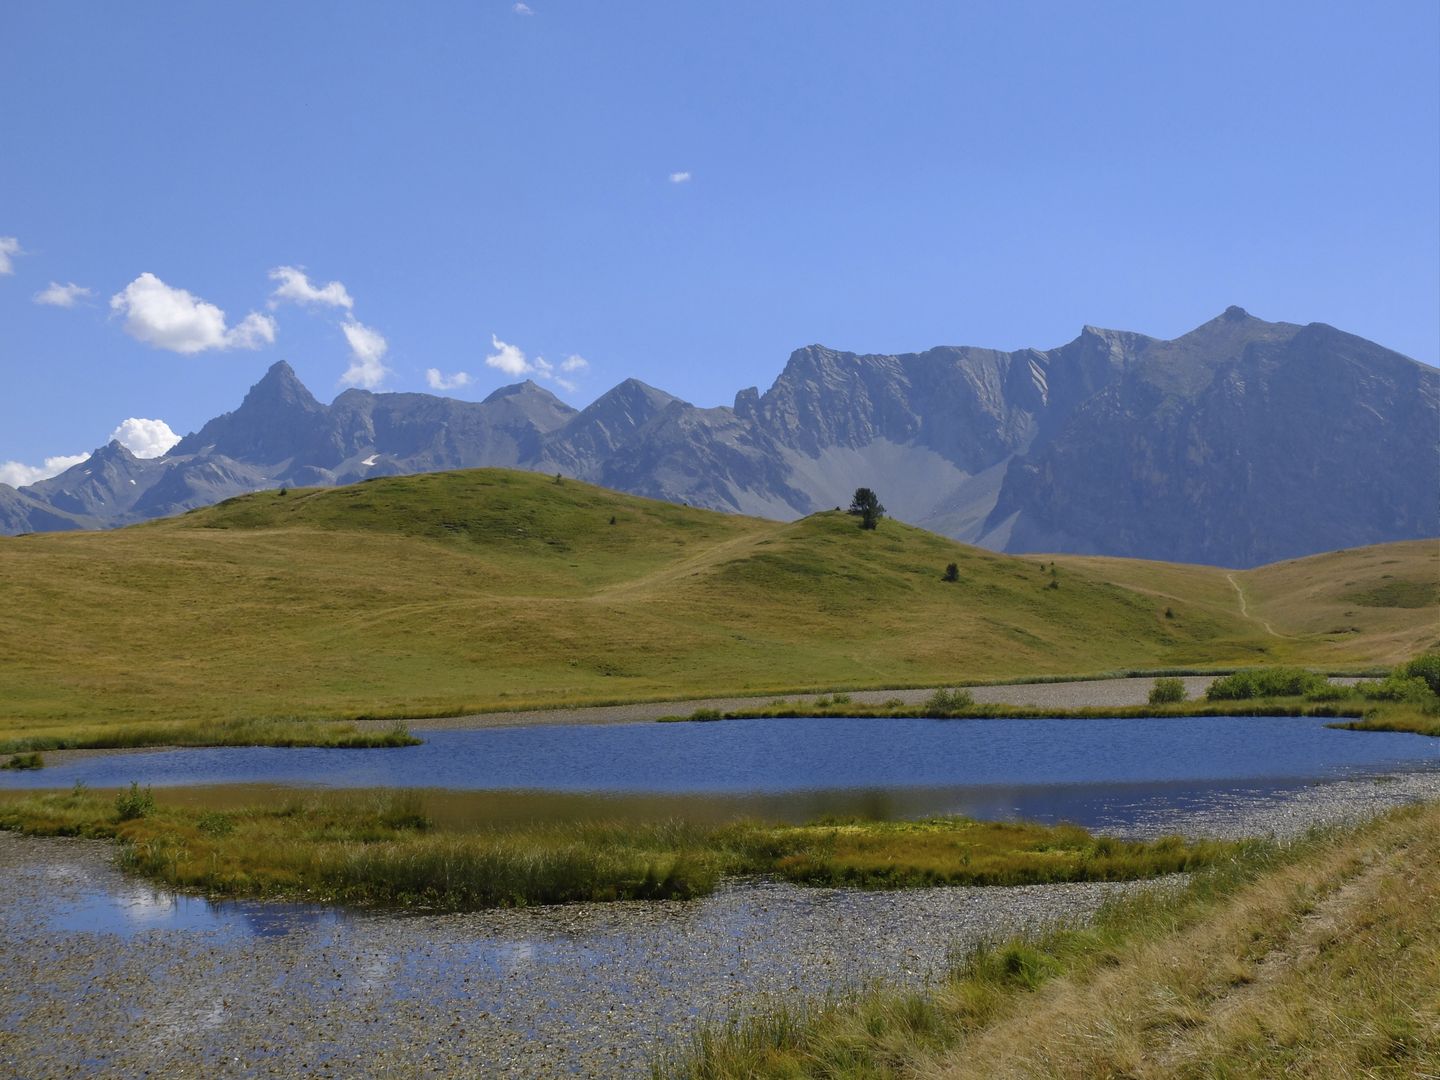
column 866, row 506
column 952, row 572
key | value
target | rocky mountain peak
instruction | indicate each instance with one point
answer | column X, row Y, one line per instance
column 280, row 387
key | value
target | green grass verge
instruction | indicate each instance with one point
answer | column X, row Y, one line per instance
column 333, row 734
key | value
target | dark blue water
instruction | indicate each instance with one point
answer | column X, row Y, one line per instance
column 780, row 756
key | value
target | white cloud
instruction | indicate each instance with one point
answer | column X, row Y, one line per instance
column 367, row 350
column 523, row 9
column 296, row 287
column 9, row 246
column 251, row 332
column 174, row 319
column 512, row 361
column 507, row 358
column 17, row 474
column 679, row 178
column 437, row 381
column 145, row 438
column 58, row 295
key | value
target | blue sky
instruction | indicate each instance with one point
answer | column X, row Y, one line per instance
column 680, row 192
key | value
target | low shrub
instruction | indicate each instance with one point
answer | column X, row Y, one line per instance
column 1425, row 667
column 1167, row 692
column 24, row 761
column 943, row 702
column 1265, row 682
column 138, row 802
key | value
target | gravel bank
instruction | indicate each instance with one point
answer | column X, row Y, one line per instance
column 1061, row 695
column 590, row 989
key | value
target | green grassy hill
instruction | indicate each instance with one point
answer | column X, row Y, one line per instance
column 483, row 589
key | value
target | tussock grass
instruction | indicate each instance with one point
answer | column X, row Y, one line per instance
column 479, row 590
column 385, row 850
column 1320, row 958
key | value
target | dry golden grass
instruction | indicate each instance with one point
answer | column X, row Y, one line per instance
column 1378, row 604
column 1327, row 968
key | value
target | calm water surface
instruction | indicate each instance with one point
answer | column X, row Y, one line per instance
column 773, row 756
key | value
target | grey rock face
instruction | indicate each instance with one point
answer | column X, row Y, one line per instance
column 1241, row 442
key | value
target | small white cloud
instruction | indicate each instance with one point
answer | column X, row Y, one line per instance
column 18, row 474
column 58, row 295
column 251, row 332
column 437, row 381
column 9, row 247
column 145, row 438
column 523, row 9
column 507, row 358
column 174, row 319
column 679, row 178
column 296, row 287
column 367, row 350
column 512, row 361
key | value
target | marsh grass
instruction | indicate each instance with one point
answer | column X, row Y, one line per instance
column 269, row 732
column 385, row 850
column 1320, row 957
column 23, row 762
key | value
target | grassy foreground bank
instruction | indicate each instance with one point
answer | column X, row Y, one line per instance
column 384, row 850
column 1317, row 959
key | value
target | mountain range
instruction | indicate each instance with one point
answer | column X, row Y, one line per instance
column 1242, row 442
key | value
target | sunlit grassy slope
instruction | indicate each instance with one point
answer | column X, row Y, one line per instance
column 479, row 589
column 1379, row 603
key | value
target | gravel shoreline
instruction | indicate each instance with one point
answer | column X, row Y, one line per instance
column 588, row 989
column 107, row 975
column 1059, row 695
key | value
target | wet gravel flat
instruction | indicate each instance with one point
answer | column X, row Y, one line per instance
column 588, row 990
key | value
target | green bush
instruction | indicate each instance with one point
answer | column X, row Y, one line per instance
column 1265, row 682
column 952, row 572
column 1425, row 667
column 138, row 802
column 215, row 823
column 1167, row 692
column 943, row 702
column 1413, row 690
column 24, row 761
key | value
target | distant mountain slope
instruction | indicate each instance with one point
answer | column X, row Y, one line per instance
column 1241, row 442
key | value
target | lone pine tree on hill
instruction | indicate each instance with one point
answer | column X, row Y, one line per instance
column 866, row 504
